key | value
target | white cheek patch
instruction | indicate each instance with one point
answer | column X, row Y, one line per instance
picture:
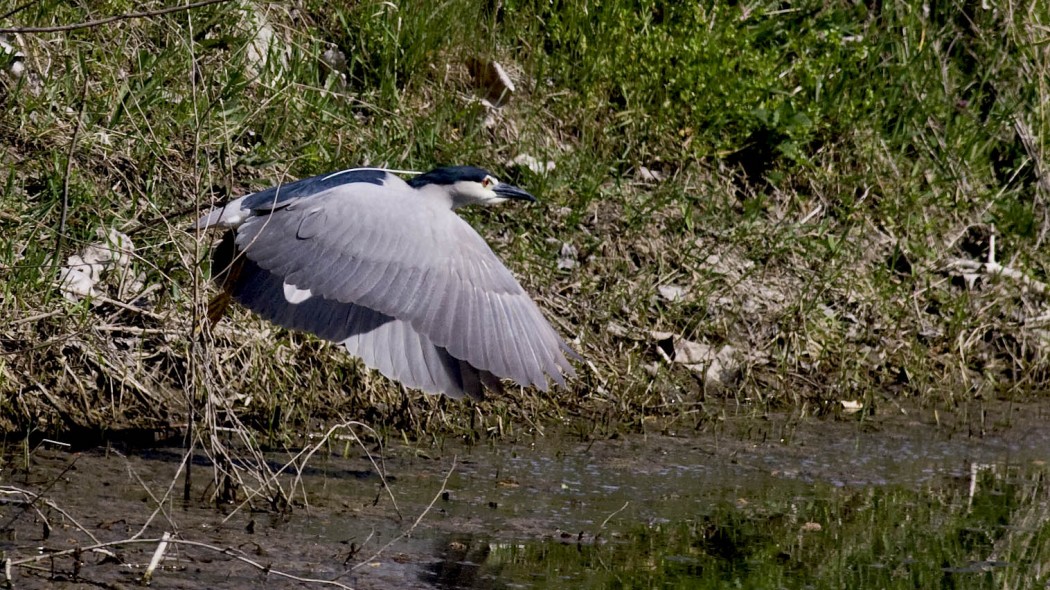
column 296, row 295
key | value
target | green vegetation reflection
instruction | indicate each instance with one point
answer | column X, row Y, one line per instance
column 878, row 537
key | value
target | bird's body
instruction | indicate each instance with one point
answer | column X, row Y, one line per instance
column 388, row 269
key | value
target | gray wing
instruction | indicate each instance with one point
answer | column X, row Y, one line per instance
column 384, row 343
column 415, row 260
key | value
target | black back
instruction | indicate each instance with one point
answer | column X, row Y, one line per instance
column 275, row 196
column 448, row 175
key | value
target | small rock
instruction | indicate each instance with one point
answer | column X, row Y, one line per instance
column 492, row 115
column 717, row 367
column 84, row 270
column 335, row 59
column 17, row 58
column 265, row 44
column 76, row 283
column 851, row 406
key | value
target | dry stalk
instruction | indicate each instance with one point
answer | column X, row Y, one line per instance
column 161, row 502
column 228, row 551
column 110, row 19
column 162, row 547
column 993, row 268
column 407, row 532
column 305, row 456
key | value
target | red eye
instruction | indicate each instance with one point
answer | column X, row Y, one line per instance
column 487, row 182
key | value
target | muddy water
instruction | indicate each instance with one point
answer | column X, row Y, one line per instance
column 900, row 501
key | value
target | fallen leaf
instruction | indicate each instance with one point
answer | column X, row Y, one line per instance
column 567, row 258
column 533, row 164
column 672, row 292
column 491, row 76
column 851, row 406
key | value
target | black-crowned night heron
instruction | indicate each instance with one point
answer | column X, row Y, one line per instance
column 386, row 268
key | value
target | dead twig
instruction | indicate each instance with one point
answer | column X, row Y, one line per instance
column 34, row 318
column 992, row 268
column 422, row 515
column 65, row 180
column 162, row 547
column 160, row 502
column 18, row 9
column 305, row 456
column 608, row 518
column 109, row 19
column 228, row 551
column 995, row 269
column 33, row 497
column 349, row 426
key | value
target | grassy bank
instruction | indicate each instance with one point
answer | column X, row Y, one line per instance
column 824, row 183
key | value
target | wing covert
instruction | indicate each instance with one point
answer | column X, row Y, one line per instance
column 386, row 344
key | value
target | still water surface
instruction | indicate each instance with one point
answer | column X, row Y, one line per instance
column 904, row 501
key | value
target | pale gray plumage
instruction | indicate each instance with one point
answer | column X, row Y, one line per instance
column 390, row 271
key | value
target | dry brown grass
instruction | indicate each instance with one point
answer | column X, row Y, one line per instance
column 831, row 274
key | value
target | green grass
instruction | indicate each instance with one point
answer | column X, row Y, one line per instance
column 823, row 162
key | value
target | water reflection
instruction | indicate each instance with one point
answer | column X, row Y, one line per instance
column 990, row 532
column 774, row 504
column 461, row 565
column 818, row 505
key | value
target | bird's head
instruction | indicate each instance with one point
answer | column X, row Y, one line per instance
column 467, row 185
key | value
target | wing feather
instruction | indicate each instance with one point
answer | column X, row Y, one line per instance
column 531, row 363
column 410, row 284
column 391, row 346
column 512, row 354
column 397, row 253
column 501, row 348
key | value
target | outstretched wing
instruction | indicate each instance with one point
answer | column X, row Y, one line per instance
column 383, row 247
column 388, row 345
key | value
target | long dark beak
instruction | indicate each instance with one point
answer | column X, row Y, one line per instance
column 509, row 191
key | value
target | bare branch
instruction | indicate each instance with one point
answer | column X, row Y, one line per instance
column 229, row 551
column 995, row 269
column 419, row 519
column 109, row 19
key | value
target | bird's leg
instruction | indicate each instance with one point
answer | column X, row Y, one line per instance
column 227, row 263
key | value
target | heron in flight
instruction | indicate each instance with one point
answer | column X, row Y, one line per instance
column 386, row 268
